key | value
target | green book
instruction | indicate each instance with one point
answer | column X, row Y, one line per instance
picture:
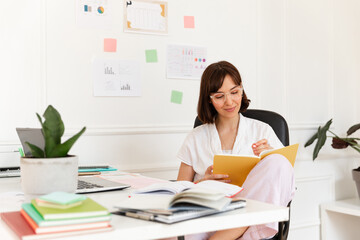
column 89, row 208
column 31, row 211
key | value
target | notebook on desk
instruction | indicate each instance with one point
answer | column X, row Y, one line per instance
column 86, row 184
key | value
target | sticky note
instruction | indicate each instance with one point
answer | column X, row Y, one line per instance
column 62, row 197
column 109, row 45
column 176, row 97
column 151, row 55
column 189, row 22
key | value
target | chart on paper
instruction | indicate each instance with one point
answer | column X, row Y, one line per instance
column 186, row 62
column 116, row 77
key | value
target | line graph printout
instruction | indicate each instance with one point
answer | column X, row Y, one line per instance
column 148, row 16
column 186, row 62
column 116, row 77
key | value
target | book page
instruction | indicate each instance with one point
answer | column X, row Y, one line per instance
column 166, row 188
column 229, row 190
column 199, row 197
column 145, row 202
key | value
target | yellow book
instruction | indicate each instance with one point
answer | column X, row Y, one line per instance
column 238, row 167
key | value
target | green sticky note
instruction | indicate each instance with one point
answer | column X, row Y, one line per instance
column 176, row 97
column 151, row 55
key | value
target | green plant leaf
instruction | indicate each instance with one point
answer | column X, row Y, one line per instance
column 311, row 140
column 35, row 150
column 355, row 146
column 353, row 129
column 53, row 129
column 61, row 150
column 40, row 120
column 321, row 135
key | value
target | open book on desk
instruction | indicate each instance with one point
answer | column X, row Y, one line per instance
column 184, row 196
column 190, row 199
column 179, row 215
column 238, row 167
column 172, row 188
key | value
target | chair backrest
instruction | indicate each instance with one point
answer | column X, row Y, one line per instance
column 280, row 127
column 275, row 120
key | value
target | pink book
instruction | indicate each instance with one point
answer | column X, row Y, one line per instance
column 22, row 229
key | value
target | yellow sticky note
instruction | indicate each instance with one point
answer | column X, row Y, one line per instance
column 189, row 22
column 109, row 45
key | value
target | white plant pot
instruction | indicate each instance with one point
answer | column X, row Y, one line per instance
column 45, row 175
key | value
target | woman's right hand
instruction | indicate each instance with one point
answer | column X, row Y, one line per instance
column 209, row 175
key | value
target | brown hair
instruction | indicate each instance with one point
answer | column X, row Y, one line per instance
column 211, row 81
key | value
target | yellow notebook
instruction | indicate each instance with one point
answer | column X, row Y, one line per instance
column 238, row 167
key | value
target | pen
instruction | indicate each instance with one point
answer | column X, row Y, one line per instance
column 21, row 152
column 140, row 215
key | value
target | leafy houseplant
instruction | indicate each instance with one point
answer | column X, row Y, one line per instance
column 53, row 129
column 337, row 143
column 50, row 168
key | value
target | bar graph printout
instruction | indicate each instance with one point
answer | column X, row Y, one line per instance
column 185, row 62
column 116, row 77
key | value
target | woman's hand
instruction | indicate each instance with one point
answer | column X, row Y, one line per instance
column 218, row 177
column 260, row 146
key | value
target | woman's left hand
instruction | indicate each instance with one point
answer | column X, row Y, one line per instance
column 260, row 146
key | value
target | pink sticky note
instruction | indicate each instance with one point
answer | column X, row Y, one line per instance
column 189, row 22
column 109, row 45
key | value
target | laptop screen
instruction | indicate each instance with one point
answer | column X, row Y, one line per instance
column 32, row 135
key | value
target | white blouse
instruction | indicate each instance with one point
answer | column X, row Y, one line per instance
column 203, row 142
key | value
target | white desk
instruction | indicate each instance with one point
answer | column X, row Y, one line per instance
column 129, row 228
column 340, row 219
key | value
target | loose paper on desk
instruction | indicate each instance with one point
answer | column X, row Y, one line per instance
column 238, row 167
column 136, row 181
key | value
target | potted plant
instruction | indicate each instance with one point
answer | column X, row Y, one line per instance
column 337, row 143
column 50, row 168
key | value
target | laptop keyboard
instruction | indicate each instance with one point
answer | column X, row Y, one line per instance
column 10, row 172
column 87, row 185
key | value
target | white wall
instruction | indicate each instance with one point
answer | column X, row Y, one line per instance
column 298, row 58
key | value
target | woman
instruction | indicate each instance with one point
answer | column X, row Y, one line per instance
column 221, row 101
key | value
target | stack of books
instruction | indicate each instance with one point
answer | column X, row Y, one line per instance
column 58, row 214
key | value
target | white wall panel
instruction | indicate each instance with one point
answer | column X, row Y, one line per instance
column 309, row 57
column 21, row 85
column 271, row 88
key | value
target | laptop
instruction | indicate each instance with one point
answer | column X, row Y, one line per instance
column 86, row 184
